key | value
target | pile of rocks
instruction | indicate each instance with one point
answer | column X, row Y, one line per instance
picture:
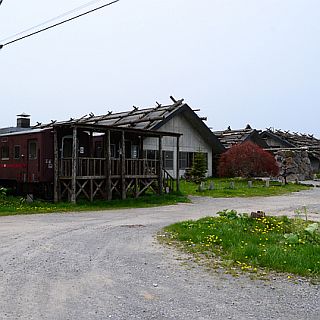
column 294, row 165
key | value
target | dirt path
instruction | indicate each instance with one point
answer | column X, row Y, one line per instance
column 107, row 265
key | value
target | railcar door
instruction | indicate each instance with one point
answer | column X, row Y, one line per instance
column 33, row 166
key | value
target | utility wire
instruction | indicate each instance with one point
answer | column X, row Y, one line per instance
column 59, row 23
column 50, row 20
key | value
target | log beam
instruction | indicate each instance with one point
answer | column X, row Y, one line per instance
column 74, row 166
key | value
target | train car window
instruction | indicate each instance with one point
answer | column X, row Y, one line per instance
column 5, row 152
column 134, row 151
column 16, row 152
column 32, row 150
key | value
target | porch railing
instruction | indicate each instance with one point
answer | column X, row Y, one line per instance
column 141, row 167
column 87, row 167
column 95, row 167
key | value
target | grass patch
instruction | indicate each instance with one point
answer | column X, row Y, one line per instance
column 248, row 244
column 222, row 188
column 15, row 205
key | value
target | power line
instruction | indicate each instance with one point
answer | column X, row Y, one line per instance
column 50, row 20
column 57, row 24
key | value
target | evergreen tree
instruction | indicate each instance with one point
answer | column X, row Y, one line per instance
column 199, row 167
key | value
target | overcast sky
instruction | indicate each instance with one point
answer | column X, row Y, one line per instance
column 239, row 61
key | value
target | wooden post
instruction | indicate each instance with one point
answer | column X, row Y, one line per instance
column 177, row 165
column 91, row 147
column 74, row 166
column 107, row 149
column 91, row 189
column 160, row 173
column 136, row 187
column 55, row 167
column 123, row 167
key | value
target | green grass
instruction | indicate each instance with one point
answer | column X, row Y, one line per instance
column 248, row 244
column 222, row 188
column 15, row 205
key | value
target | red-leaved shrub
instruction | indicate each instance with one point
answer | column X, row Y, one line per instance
column 247, row 160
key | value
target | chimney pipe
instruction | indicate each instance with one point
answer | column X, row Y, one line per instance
column 23, row 120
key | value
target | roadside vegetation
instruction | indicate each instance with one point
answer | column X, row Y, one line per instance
column 238, row 187
column 10, row 205
column 237, row 170
column 238, row 242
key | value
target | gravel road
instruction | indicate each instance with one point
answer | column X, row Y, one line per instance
column 108, row 265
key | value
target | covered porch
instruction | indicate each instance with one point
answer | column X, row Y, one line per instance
column 95, row 161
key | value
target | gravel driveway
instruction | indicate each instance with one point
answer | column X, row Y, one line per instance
column 107, row 265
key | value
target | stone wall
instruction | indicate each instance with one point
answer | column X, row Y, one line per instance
column 295, row 165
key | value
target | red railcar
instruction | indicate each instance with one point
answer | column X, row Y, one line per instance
column 26, row 161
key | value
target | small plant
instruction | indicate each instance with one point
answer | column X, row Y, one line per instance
column 303, row 211
column 308, row 234
column 303, row 232
column 3, row 192
column 3, row 196
column 229, row 214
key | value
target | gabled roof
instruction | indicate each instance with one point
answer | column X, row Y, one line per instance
column 295, row 140
column 148, row 118
column 197, row 123
column 152, row 118
column 276, row 137
column 231, row 137
column 292, row 138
